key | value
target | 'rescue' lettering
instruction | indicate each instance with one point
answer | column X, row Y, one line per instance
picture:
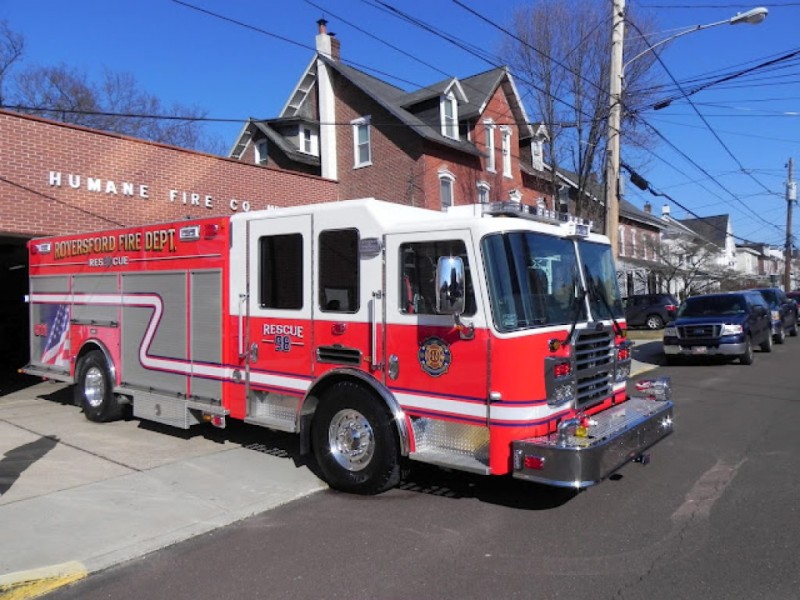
column 292, row 330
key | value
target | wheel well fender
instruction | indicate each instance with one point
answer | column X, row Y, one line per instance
column 89, row 346
column 317, row 391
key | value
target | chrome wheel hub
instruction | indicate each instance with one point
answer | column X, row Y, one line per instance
column 94, row 386
column 351, row 439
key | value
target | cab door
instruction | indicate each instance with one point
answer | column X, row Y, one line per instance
column 431, row 368
column 279, row 312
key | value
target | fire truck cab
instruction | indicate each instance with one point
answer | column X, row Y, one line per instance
column 489, row 338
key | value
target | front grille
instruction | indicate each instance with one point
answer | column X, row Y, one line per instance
column 689, row 332
column 594, row 365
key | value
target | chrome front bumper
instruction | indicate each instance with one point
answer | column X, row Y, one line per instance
column 615, row 437
column 722, row 349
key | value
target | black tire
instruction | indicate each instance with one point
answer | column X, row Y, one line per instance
column 654, row 322
column 766, row 345
column 355, row 441
column 780, row 337
column 793, row 329
column 94, row 389
column 747, row 357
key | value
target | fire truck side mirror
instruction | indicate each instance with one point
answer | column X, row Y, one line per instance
column 450, row 289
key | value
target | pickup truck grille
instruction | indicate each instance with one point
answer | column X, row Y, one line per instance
column 688, row 332
column 594, row 364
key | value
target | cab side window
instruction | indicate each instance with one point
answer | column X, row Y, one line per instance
column 280, row 272
column 418, row 275
column 339, row 271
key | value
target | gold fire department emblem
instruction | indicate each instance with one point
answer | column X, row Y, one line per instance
column 434, row 356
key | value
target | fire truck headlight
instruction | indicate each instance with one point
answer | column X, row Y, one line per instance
column 623, row 372
column 564, row 392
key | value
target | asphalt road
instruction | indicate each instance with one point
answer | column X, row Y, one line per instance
column 716, row 514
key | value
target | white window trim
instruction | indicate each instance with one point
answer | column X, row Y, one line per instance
column 491, row 165
column 445, row 175
column 356, row 123
column 484, row 191
column 621, row 241
column 505, row 146
column 449, row 130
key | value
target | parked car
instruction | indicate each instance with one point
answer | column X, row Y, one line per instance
column 783, row 312
column 650, row 310
column 727, row 325
column 795, row 296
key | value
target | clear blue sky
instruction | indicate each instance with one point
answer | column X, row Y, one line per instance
column 234, row 72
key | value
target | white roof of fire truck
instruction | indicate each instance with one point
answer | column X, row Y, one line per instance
column 389, row 217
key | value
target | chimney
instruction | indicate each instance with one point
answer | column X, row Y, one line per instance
column 648, row 208
column 665, row 210
column 327, row 44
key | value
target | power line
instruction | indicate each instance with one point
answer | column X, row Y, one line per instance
column 718, row 138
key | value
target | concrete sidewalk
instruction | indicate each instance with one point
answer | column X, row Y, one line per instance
column 77, row 497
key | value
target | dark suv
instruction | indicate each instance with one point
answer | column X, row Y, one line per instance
column 727, row 325
column 783, row 311
column 650, row 310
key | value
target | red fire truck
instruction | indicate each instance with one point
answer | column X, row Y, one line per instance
column 489, row 338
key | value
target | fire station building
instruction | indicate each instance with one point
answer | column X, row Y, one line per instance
column 58, row 179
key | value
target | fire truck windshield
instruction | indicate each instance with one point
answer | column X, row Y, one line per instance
column 533, row 280
column 601, row 280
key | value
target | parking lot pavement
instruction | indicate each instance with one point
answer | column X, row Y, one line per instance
column 77, row 497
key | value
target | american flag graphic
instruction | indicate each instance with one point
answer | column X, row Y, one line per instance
column 54, row 351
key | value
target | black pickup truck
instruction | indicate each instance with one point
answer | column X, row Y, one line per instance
column 726, row 325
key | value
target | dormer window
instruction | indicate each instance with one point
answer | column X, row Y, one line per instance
column 448, row 107
column 309, row 141
column 261, row 152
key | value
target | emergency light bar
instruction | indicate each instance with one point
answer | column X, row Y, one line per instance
column 576, row 226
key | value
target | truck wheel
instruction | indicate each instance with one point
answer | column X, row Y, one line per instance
column 654, row 322
column 93, row 389
column 793, row 330
column 766, row 345
column 354, row 441
column 780, row 337
column 747, row 357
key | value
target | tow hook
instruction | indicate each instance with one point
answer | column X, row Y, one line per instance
column 642, row 459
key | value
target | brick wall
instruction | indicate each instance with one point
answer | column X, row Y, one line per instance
column 45, row 169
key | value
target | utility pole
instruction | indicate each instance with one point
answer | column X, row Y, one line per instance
column 614, row 123
column 791, row 196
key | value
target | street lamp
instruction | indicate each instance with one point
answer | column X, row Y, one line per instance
column 617, row 75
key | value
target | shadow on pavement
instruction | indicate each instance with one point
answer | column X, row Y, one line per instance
column 18, row 459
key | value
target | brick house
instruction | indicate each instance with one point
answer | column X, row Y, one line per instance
column 457, row 141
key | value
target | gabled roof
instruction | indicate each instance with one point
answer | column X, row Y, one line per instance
column 392, row 99
column 714, row 229
column 629, row 211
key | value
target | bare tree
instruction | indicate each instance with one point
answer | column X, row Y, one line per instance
column 688, row 265
column 560, row 52
column 116, row 103
column 12, row 46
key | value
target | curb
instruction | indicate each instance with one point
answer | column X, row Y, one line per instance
column 24, row 585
